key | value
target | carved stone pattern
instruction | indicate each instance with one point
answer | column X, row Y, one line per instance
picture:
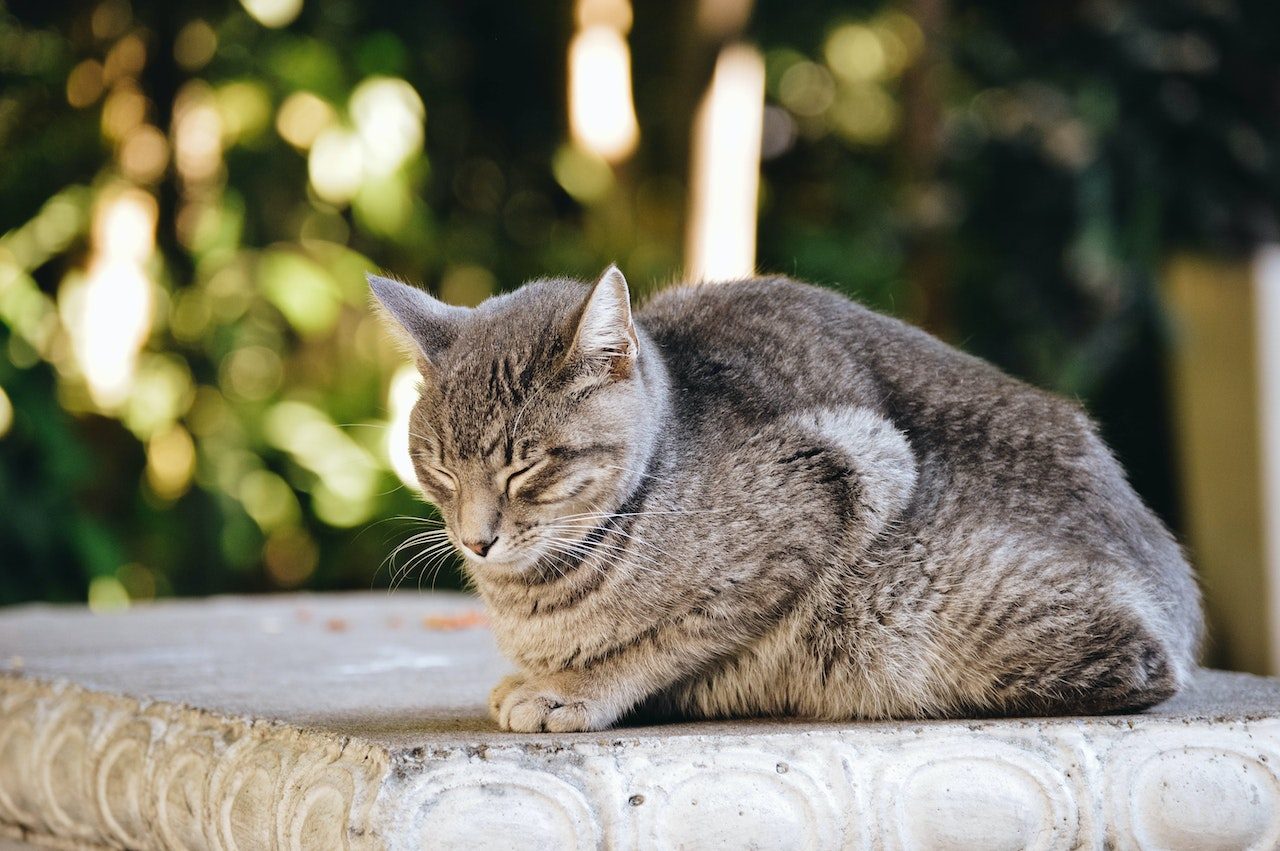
column 99, row 770
column 1048, row 786
column 106, row 770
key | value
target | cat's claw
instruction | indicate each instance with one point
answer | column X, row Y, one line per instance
column 529, row 706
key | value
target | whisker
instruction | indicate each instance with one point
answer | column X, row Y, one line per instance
column 419, row 559
column 439, row 565
column 611, row 550
column 664, row 513
column 438, row 561
column 430, row 539
column 632, row 537
column 616, row 560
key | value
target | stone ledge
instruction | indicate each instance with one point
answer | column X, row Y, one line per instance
column 355, row 722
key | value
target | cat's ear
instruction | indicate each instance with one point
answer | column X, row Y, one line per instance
column 604, row 343
column 426, row 325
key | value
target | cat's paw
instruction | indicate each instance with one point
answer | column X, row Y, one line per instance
column 505, row 686
column 539, row 706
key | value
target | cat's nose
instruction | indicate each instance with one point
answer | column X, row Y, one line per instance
column 480, row 548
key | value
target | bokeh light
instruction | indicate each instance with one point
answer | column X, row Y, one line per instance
column 302, row 117
column 109, row 311
column 726, row 169
column 197, row 134
column 195, row 45
column 6, row 413
column 84, row 83
column 602, row 117
column 336, row 164
column 273, row 13
column 144, row 154
column 388, row 116
column 402, row 395
column 171, row 461
column 855, row 52
column 290, row 556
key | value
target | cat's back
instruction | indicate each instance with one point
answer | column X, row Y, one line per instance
column 760, row 345
column 800, row 345
column 765, row 347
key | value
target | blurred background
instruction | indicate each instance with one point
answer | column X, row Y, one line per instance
column 194, row 398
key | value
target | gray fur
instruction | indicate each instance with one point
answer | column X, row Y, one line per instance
column 764, row 499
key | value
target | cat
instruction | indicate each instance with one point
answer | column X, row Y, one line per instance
column 759, row 498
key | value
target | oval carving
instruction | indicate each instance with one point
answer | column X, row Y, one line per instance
column 504, row 807
column 1205, row 798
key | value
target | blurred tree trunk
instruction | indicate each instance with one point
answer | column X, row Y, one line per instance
column 923, row 84
column 1214, row 371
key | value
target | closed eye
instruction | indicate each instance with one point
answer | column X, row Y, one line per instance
column 555, row 482
column 519, row 477
column 441, row 476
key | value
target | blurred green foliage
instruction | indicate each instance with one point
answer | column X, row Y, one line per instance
column 1012, row 175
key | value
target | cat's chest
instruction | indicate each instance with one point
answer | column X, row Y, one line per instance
column 540, row 636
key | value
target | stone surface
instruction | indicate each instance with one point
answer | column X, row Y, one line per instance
column 357, row 721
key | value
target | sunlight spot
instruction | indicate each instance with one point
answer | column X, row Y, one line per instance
column 389, row 116
column 144, row 154
column 865, row 113
column 602, row 116
column 244, row 108
column 197, row 134
column 107, row 594
column 726, row 168
column 401, row 398
column 268, row 499
column 171, row 460
column 109, row 311
column 615, row 14
column 584, row 175
column 195, row 45
column 251, row 373
column 125, row 60
column 806, row 88
column 273, row 13
column 855, row 52
column 125, row 109
column 6, row 413
column 84, row 83
column 336, row 165
column 347, row 475
column 302, row 117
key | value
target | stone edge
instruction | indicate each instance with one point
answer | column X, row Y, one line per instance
column 87, row 769
column 80, row 768
column 1153, row 782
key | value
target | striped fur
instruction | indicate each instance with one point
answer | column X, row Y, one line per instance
column 760, row 498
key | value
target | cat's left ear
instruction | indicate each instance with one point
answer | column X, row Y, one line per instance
column 427, row 325
column 605, row 343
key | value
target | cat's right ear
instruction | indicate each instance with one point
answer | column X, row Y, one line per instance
column 426, row 325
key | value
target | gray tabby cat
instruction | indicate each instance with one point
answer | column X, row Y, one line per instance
column 759, row 498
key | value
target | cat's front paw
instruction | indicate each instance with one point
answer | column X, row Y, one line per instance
column 498, row 696
column 543, row 706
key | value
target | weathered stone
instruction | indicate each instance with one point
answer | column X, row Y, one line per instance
column 357, row 721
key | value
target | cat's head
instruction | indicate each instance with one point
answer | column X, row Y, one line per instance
column 536, row 414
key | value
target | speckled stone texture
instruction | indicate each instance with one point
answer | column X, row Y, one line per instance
column 357, row 721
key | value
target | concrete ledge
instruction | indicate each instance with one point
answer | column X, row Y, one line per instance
column 357, row 721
